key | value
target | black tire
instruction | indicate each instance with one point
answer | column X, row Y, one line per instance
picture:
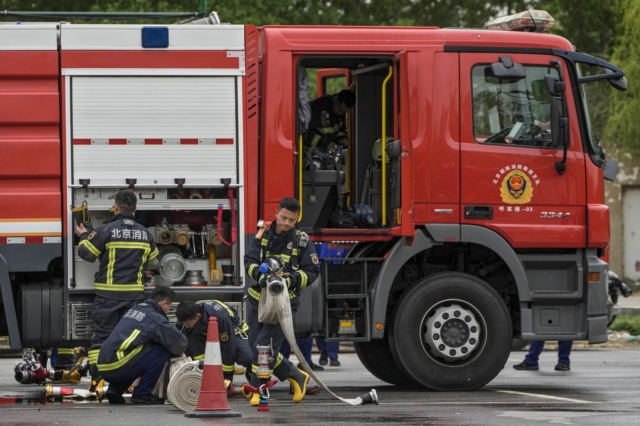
column 377, row 359
column 475, row 343
column 518, row 344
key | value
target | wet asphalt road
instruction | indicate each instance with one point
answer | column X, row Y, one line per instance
column 602, row 388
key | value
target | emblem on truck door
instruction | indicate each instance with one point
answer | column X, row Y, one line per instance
column 516, row 183
column 516, row 188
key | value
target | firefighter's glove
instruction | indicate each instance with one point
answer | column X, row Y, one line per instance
column 262, row 280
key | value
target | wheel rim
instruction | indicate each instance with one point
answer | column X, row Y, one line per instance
column 453, row 333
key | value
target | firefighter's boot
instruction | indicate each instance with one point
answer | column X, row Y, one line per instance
column 255, row 400
column 298, row 380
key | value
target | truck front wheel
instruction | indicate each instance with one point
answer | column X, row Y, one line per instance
column 451, row 331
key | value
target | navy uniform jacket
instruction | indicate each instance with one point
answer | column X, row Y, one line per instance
column 142, row 327
column 325, row 126
column 295, row 250
column 229, row 326
column 123, row 248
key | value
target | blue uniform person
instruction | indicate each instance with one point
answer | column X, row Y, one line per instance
column 124, row 249
column 298, row 255
column 535, row 349
column 140, row 346
column 193, row 321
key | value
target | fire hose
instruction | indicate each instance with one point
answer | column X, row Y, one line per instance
column 184, row 387
column 275, row 307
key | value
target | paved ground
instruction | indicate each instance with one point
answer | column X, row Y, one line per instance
column 601, row 388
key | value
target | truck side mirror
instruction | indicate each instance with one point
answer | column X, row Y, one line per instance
column 558, row 124
column 618, row 83
column 610, row 170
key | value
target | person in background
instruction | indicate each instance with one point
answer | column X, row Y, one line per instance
column 328, row 352
column 535, row 349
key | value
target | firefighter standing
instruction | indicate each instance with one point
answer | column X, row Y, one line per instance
column 140, row 346
column 293, row 247
column 124, row 249
column 327, row 129
column 193, row 319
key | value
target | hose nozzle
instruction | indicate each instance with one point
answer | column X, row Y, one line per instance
column 370, row 397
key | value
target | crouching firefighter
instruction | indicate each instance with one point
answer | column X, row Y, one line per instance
column 140, row 346
column 300, row 263
column 193, row 321
column 124, row 248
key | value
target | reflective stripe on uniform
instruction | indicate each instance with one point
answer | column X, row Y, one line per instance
column 253, row 293
column 304, row 278
column 252, row 267
column 92, row 249
column 198, row 357
column 123, row 245
column 65, row 351
column 227, row 368
column 123, row 361
column 125, row 345
column 153, row 254
column 118, row 287
column 93, row 356
column 264, row 242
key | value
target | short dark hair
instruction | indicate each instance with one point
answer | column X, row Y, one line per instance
column 126, row 200
column 347, row 97
column 163, row 293
column 187, row 311
column 290, row 204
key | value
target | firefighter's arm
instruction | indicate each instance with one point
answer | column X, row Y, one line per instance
column 92, row 244
column 227, row 347
column 152, row 261
column 309, row 268
column 252, row 260
column 170, row 337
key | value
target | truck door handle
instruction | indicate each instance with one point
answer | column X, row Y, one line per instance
column 478, row 212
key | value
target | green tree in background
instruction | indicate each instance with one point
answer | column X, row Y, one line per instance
column 623, row 129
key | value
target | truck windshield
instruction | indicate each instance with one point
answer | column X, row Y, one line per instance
column 515, row 112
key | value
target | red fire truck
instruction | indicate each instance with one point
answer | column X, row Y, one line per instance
column 486, row 200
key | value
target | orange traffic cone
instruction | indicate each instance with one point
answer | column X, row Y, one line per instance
column 212, row 401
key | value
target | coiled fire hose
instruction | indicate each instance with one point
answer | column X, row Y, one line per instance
column 275, row 307
column 184, row 387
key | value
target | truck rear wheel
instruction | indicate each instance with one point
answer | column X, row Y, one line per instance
column 377, row 359
column 451, row 331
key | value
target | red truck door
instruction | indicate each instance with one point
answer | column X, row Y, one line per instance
column 509, row 181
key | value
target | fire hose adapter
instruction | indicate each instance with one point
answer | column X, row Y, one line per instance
column 370, row 397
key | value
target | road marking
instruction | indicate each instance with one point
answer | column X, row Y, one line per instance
column 539, row 395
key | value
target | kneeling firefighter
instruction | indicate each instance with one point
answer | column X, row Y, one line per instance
column 140, row 346
column 193, row 321
column 299, row 262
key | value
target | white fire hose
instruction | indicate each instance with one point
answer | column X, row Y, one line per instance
column 275, row 307
column 184, row 387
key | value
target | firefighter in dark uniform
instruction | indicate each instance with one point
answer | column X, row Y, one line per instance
column 327, row 129
column 124, row 249
column 140, row 346
column 193, row 320
column 294, row 249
